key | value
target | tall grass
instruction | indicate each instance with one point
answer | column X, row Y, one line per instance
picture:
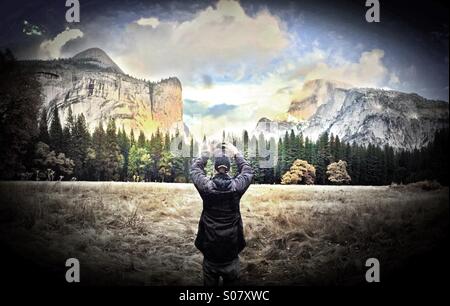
column 143, row 233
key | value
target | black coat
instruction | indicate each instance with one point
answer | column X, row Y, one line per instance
column 220, row 234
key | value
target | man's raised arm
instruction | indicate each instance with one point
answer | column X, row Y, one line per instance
column 245, row 171
column 198, row 175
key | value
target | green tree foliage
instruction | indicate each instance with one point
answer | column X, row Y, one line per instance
column 139, row 163
column 141, row 140
column 254, row 160
column 98, row 156
column 51, row 164
column 43, row 127
column 124, row 144
column 20, row 101
column 322, row 158
column 132, row 139
column 79, row 147
column 179, row 167
column 113, row 157
column 56, row 132
column 165, row 166
column 69, row 126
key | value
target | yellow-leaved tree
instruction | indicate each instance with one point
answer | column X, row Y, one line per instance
column 337, row 173
column 300, row 173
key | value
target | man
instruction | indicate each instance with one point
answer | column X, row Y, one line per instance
column 220, row 234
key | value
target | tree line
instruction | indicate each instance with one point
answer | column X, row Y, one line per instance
column 112, row 154
column 41, row 149
column 108, row 154
column 366, row 165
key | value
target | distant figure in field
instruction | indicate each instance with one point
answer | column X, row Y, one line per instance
column 220, row 234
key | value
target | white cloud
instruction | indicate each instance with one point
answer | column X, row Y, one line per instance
column 267, row 98
column 394, row 79
column 221, row 40
column 223, row 55
column 51, row 48
column 272, row 95
column 368, row 71
column 152, row 22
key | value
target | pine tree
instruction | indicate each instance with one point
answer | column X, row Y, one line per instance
column 254, row 159
column 124, row 145
column 280, row 162
column 340, row 149
column 291, row 147
column 113, row 158
column 354, row 167
column 295, row 145
column 388, row 171
column 141, row 143
column 132, row 139
column 43, row 128
column 301, row 145
column 56, row 133
column 333, row 150
column 99, row 147
column 309, row 151
column 323, row 158
column 373, row 166
column 20, row 101
column 67, row 134
column 81, row 141
column 156, row 149
column 165, row 166
column 166, row 142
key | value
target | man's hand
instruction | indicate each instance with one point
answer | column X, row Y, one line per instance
column 229, row 147
column 216, row 148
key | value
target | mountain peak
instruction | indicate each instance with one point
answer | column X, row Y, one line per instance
column 98, row 57
column 365, row 116
column 325, row 82
column 313, row 94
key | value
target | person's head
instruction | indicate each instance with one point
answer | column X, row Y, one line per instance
column 221, row 163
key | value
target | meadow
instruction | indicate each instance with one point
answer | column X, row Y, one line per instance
column 143, row 233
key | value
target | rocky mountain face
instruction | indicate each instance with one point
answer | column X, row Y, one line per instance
column 99, row 58
column 313, row 94
column 92, row 84
column 363, row 115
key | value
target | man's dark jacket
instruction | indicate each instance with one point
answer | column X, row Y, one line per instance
column 220, row 234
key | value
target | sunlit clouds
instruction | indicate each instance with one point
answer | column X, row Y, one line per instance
column 51, row 48
column 236, row 64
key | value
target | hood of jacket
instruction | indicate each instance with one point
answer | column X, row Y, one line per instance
column 222, row 182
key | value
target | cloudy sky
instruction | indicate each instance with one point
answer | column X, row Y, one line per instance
column 239, row 61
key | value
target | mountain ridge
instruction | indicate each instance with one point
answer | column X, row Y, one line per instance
column 91, row 83
column 99, row 57
column 366, row 116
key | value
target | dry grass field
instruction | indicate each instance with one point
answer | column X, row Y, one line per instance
column 143, row 233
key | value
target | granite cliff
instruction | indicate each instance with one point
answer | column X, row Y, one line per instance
column 91, row 83
column 362, row 115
